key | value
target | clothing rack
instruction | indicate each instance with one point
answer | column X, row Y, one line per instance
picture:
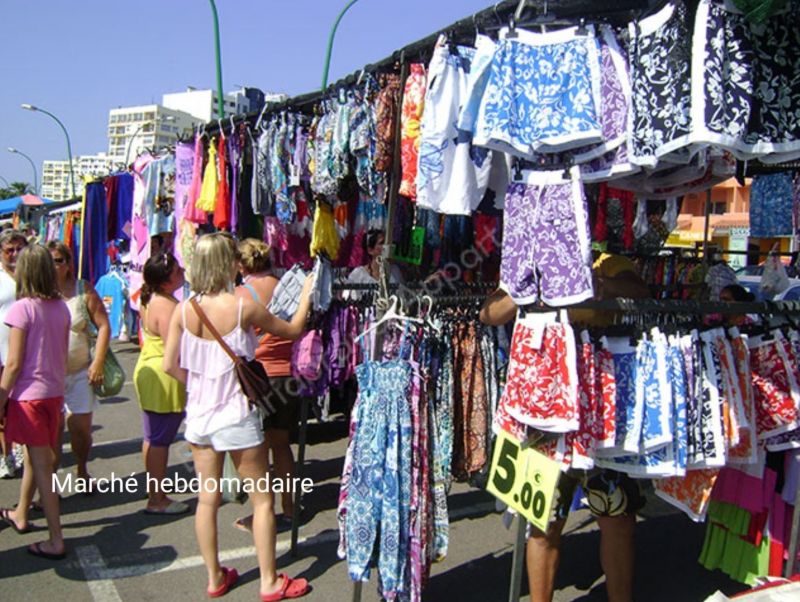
column 671, row 306
column 620, row 12
column 566, row 9
column 768, row 308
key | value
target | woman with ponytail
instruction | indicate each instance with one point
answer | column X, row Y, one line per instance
column 275, row 354
column 161, row 397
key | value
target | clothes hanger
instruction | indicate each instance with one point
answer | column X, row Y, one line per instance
column 428, row 321
column 261, row 115
column 517, row 16
column 391, row 314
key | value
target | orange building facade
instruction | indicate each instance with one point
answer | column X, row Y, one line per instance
column 729, row 224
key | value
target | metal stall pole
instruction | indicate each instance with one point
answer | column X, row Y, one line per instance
column 518, row 560
column 394, row 187
column 298, row 469
column 789, row 570
column 706, row 229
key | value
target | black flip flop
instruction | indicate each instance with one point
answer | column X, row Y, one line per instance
column 11, row 522
column 36, row 550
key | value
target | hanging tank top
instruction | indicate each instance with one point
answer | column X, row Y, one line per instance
column 156, row 390
column 214, row 397
column 78, row 356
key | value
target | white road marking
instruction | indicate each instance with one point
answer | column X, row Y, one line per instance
column 94, row 568
column 100, row 577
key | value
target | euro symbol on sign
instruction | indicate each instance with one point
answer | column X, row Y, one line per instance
column 537, row 478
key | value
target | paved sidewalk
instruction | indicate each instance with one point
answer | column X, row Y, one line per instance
column 117, row 553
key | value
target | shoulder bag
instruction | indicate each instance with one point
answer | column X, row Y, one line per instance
column 251, row 374
column 113, row 374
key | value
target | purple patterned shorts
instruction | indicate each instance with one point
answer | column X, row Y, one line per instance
column 546, row 244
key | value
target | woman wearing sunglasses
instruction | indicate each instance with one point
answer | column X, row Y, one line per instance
column 87, row 312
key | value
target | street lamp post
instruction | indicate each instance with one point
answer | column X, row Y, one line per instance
column 218, row 56
column 11, row 149
column 139, row 129
column 6, row 181
column 30, row 107
column 330, row 43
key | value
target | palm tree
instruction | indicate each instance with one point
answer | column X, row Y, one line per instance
column 16, row 189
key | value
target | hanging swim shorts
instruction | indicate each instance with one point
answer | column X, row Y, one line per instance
column 615, row 99
column 453, row 174
column 738, row 69
column 660, row 63
column 711, row 427
column 606, row 424
column 543, row 90
column 624, row 357
column 412, row 110
column 542, row 386
column 745, row 451
column 774, row 393
column 656, row 394
column 546, row 246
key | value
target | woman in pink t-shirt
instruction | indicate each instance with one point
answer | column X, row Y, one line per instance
column 32, row 388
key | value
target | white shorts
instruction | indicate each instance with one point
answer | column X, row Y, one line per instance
column 242, row 435
column 79, row 398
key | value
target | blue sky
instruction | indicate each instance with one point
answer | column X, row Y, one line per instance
column 80, row 58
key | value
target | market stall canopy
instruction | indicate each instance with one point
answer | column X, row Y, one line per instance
column 12, row 204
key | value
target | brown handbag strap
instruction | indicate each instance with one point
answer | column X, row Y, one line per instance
column 204, row 319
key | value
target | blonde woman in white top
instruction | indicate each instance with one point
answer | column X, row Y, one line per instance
column 218, row 416
column 86, row 309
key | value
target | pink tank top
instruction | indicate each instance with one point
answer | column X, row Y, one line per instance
column 214, row 397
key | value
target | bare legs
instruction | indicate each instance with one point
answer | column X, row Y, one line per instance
column 208, row 465
column 80, row 434
column 251, row 463
column 542, row 556
column 39, row 475
column 617, row 552
column 283, row 465
column 156, row 458
column 27, row 488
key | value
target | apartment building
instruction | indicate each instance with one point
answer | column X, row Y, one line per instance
column 56, row 175
column 202, row 104
column 133, row 129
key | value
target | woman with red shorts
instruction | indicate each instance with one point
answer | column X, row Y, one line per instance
column 32, row 388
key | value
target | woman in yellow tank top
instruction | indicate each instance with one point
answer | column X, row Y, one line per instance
column 161, row 397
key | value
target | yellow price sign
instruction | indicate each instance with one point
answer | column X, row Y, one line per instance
column 523, row 479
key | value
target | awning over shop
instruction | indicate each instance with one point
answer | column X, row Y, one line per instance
column 11, row 205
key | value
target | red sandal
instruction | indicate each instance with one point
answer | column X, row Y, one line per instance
column 290, row 588
column 229, row 579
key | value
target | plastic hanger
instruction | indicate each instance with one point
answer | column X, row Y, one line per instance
column 391, row 314
column 427, row 314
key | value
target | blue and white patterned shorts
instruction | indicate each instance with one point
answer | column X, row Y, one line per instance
column 543, row 92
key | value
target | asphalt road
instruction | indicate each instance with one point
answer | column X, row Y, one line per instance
column 117, row 553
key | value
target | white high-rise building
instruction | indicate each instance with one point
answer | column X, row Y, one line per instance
column 56, row 175
column 202, row 104
column 133, row 129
